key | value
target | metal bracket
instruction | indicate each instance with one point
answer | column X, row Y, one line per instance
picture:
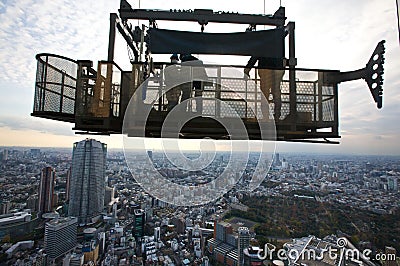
column 124, row 5
column 372, row 73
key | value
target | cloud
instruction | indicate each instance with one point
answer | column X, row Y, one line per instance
column 37, row 124
column 330, row 34
column 71, row 28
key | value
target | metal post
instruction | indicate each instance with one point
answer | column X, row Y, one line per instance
column 292, row 75
column 336, row 110
column 320, row 98
column 62, row 90
column 111, row 39
column 256, row 94
column 43, row 96
column 245, row 97
column 218, row 88
column 141, row 42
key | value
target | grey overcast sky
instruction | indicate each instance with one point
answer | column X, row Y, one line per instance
column 330, row 34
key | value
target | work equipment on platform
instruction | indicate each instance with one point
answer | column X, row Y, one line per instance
column 96, row 98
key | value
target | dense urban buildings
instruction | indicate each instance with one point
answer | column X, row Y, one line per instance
column 305, row 201
column 87, row 182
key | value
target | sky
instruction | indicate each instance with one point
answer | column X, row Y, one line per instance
column 330, row 34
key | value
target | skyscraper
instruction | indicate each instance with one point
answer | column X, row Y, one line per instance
column 139, row 224
column 109, row 195
column 86, row 199
column 157, row 234
column 243, row 242
column 67, row 185
column 5, row 207
column 46, row 190
column 60, row 237
column 222, row 230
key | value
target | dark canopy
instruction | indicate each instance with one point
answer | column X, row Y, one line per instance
column 266, row 43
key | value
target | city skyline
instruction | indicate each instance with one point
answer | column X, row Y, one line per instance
column 304, row 200
column 329, row 35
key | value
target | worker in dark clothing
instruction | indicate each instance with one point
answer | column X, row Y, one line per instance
column 270, row 71
column 198, row 74
column 174, row 93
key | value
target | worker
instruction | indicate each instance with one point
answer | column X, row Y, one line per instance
column 270, row 82
column 173, row 93
column 198, row 74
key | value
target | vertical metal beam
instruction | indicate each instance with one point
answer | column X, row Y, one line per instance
column 141, row 43
column 62, row 90
column 336, row 109
column 292, row 75
column 398, row 17
column 218, row 88
column 111, row 38
column 161, row 94
column 315, row 107
column 43, row 96
column 320, row 98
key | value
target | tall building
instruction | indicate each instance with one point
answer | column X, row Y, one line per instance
column 285, row 164
column 139, row 223
column 87, row 183
column 67, row 185
column 5, row 207
column 60, row 237
column 46, row 190
column 4, row 155
column 109, row 195
column 32, row 202
column 222, row 230
column 157, row 234
column 277, row 160
column 243, row 243
column 392, row 183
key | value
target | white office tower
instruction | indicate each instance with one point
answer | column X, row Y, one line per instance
column 87, row 184
column 157, row 234
column 243, row 243
column 60, row 237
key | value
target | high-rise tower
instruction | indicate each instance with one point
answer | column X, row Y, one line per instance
column 87, row 185
column 243, row 242
column 46, row 190
column 60, row 237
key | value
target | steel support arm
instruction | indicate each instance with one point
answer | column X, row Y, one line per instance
column 128, row 37
column 372, row 73
column 126, row 33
